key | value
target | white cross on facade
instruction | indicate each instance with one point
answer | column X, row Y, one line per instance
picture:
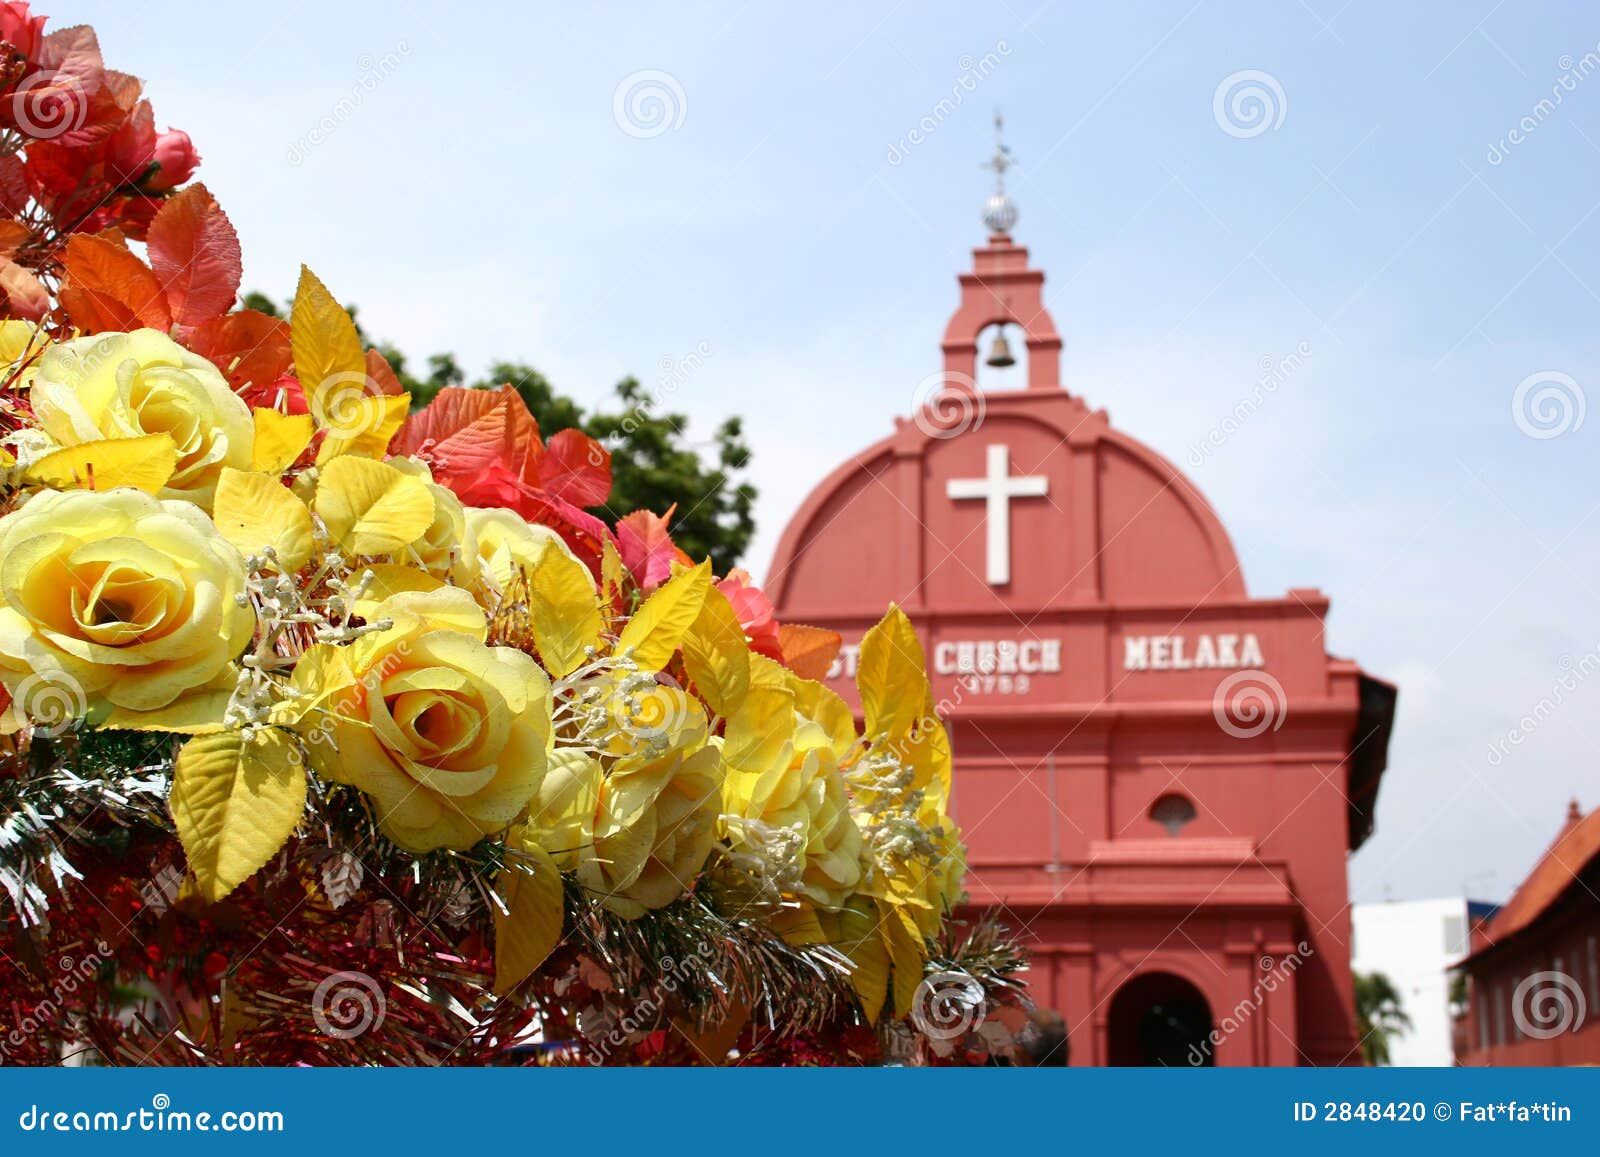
column 997, row 488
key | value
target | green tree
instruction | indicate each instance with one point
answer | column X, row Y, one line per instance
column 1380, row 1015
column 654, row 463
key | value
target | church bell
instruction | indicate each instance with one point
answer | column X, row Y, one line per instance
column 1000, row 353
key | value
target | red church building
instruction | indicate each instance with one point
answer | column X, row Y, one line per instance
column 1159, row 777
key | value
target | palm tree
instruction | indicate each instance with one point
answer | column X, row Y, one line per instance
column 1380, row 1016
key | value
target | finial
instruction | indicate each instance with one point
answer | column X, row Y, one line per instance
column 1000, row 211
column 1574, row 812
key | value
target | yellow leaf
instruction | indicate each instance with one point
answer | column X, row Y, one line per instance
column 370, row 507
column 659, row 625
column 892, row 677
column 717, row 656
column 565, row 611
column 142, row 463
column 854, row 931
column 907, row 953
column 234, row 805
column 798, row 926
column 531, row 927
column 327, row 349
column 358, row 421
column 757, row 732
column 280, row 440
column 254, row 510
column 610, row 574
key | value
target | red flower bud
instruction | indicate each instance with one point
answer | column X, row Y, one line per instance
column 177, row 158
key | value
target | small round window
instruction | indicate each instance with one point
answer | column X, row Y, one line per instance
column 1173, row 812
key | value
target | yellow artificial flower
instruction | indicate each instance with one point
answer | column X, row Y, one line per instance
column 124, row 385
column 19, row 341
column 561, row 820
column 446, row 734
column 656, row 819
column 448, row 549
column 127, row 598
column 507, row 543
column 783, row 798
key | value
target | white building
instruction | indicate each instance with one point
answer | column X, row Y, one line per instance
column 1414, row 943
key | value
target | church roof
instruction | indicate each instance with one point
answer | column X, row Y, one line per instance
column 1575, row 847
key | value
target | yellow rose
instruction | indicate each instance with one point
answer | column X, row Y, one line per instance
column 123, row 385
column 507, row 543
column 130, row 598
column 447, row 735
column 656, row 820
column 562, row 818
column 792, row 785
column 448, row 549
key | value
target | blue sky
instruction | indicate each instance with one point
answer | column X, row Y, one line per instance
column 461, row 173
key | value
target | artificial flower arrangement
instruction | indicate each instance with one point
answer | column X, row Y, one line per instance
column 340, row 733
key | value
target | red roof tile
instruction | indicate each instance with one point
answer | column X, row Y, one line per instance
column 1574, row 847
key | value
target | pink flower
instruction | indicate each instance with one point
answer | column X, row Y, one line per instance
column 754, row 611
column 21, row 29
column 176, row 156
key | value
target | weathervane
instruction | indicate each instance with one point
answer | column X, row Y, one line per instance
column 999, row 211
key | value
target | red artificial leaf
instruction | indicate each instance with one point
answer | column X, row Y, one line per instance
column 250, row 348
column 647, row 549
column 13, row 234
column 809, row 651
column 465, row 432
column 25, row 297
column 108, row 288
column 14, row 191
column 576, row 468
column 579, row 529
column 195, row 253
column 76, row 101
column 383, row 375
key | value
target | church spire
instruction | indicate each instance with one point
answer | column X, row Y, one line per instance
column 1000, row 211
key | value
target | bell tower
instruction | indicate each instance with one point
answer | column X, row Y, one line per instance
column 1001, row 290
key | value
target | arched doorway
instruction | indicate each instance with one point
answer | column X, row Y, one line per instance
column 1159, row 1019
